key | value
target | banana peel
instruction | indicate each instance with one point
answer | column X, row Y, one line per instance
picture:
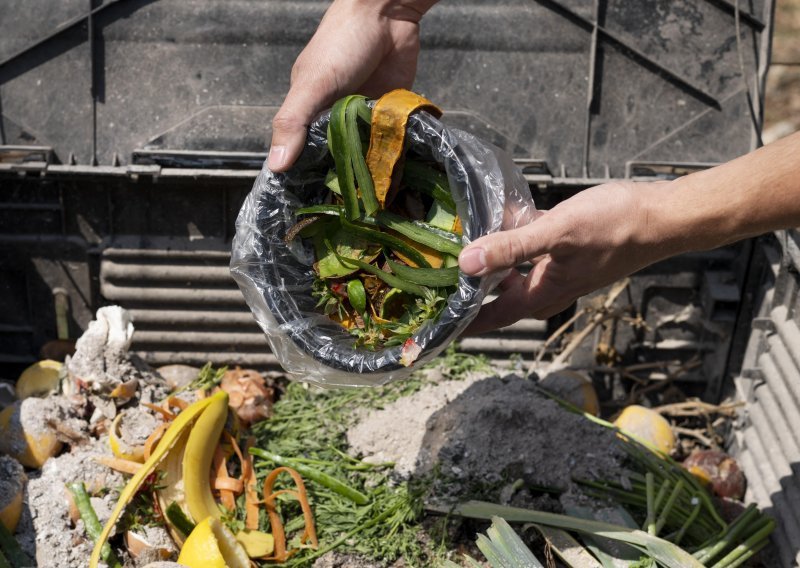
column 197, row 458
column 193, row 428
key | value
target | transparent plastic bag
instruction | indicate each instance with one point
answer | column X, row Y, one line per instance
column 276, row 278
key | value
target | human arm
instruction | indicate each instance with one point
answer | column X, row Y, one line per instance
column 607, row 232
column 361, row 46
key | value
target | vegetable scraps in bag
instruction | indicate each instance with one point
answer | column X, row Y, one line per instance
column 387, row 238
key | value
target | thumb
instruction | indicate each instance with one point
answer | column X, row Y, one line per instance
column 507, row 249
column 289, row 128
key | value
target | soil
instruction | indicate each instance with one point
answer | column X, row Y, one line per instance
column 12, row 478
column 487, row 430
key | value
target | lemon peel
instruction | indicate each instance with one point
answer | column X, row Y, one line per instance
column 38, row 379
column 212, row 545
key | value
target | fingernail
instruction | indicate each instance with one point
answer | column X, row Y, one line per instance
column 473, row 261
column 277, row 157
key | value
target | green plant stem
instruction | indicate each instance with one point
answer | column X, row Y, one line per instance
column 420, row 233
column 362, row 174
column 315, row 475
column 708, row 553
column 339, row 146
column 390, row 279
column 650, row 522
column 662, row 518
column 4, row 563
column 662, row 551
column 90, row 522
column 690, row 519
column 764, row 527
column 662, row 492
column 748, row 555
column 387, row 240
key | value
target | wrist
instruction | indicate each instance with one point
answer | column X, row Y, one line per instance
column 670, row 220
column 685, row 215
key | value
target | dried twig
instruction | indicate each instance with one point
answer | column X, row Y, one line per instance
column 694, row 433
column 602, row 315
column 692, row 363
column 560, row 331
column 698, row 408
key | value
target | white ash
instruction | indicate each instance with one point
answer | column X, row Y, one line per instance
column 136, row 425
column 163, row 548
column 102, row 360
column 487, row 430
column 178, row 376
column 334, row 559
column 46, row 531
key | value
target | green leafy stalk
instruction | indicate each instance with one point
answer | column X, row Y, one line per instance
column 662, row 551
column 662, row 518
column 434, row 277
column 90, row 521
column 339, row 144
column 421, row 233
column 763, row 529
column 386, row 240
column 320, row 210
column 504, row 549
column 689, row 520
column 362, row 175
column 650, row 522
column 736, row 529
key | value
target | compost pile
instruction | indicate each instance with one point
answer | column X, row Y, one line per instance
column 304, row 477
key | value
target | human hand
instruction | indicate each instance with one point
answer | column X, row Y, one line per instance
column 588, row 241
column 361, row 46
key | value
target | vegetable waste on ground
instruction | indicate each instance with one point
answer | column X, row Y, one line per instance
column 317, row 498
column 230, row 468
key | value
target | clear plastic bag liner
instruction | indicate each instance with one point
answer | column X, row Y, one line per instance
column 276, row 278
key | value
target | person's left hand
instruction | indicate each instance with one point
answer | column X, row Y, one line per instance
column 361, row 46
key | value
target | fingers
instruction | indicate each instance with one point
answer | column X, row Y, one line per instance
column 538, row 295
column 290, row 125
column 500, row 312
column 507, row 249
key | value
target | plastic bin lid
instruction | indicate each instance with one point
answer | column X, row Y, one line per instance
column 584, row 87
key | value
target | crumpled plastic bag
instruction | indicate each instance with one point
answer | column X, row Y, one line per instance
column 276, row 278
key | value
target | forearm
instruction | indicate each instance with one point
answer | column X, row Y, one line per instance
column 749, row 196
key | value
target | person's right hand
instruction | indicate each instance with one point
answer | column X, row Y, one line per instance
column 361, row 46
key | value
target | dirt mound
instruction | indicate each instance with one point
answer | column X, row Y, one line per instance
column 487, row 430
